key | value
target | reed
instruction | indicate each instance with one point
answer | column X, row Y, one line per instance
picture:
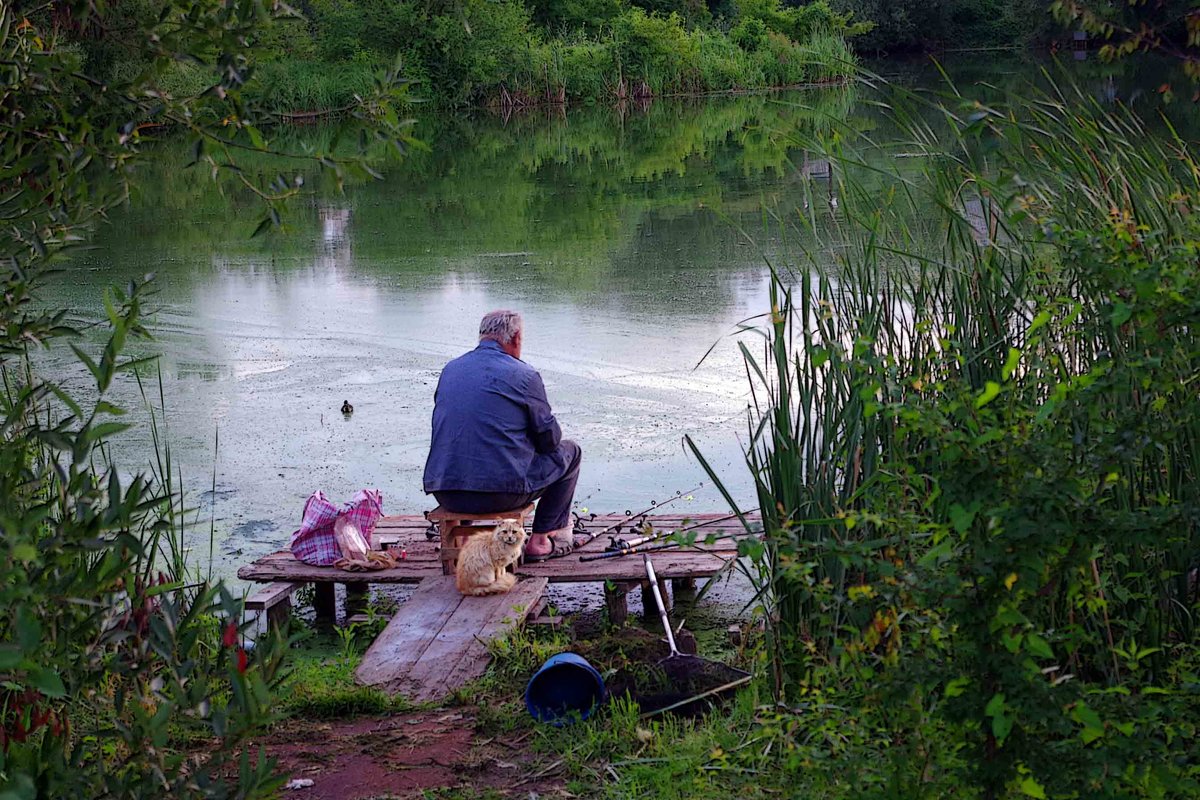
column 976, row 458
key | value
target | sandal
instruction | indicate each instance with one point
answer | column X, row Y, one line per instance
column 558, row 549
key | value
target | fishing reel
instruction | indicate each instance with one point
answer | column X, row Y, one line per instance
column 580, row 528
column 641, row 525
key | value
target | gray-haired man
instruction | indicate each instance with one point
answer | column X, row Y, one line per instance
column 496, row 445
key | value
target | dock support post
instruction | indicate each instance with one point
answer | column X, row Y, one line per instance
column 356, row 598
column 616, row 603
column 682, row 585
column 649, row 607
column 324, row 603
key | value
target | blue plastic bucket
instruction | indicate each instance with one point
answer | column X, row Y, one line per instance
column 566, row 685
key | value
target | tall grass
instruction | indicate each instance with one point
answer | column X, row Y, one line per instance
column 307, row 86
column 975, row 426
column 110, row 657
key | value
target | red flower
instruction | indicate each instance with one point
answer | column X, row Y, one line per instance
column 242, row 661
column 39, row 717
column 229, row 637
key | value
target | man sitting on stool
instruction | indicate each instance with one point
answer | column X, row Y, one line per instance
column 496, row 445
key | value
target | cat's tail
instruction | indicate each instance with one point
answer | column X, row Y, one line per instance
column 502, row 584
column 480, row 591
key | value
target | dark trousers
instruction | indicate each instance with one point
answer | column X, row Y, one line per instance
column 554, row 501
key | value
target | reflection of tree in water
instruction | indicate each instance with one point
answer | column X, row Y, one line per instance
column 333, row 245
column 573, row 190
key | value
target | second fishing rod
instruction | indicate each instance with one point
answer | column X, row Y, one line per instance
column 646, row 544
column 629, row 517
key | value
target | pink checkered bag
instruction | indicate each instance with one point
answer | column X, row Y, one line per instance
column 315, row 542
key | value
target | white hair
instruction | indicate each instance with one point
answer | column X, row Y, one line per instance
column 501, row 326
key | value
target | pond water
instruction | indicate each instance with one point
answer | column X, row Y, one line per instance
column 634, row 240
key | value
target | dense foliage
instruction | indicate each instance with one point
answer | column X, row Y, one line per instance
column 509, row 52
column 907, row 25
column 1171, row 27
column 978, row 467
column 123, row 672
column 899, row 26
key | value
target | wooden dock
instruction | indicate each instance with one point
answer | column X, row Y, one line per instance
column 437, row 640
column 421, row 559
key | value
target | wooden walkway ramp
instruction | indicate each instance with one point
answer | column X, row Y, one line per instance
column 436, row 643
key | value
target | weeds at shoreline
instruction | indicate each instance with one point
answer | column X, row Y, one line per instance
column 977, row 461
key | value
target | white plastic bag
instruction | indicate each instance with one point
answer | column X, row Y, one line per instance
column 350, row 540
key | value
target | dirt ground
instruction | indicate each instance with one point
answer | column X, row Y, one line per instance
column 403, row 755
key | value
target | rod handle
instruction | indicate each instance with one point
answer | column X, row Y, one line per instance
column 607, row 554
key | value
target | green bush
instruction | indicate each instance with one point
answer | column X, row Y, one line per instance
column 828, row 57
column 575, row 16
column 692, row 12
column 123, row 672
column 654, row 49
column 588, row 69
column 342, row 27
column 485, row 46
column 477, row 50
column 900, row 25
column 799, row 22
column 286, row 38
column 749, row 34
column 724, row 65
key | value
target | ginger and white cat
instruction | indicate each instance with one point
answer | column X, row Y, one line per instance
column 484, row 558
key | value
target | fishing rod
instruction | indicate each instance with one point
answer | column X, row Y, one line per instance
column 625, row 544
column 653, row 549
column 616, row 526
column 635, row 549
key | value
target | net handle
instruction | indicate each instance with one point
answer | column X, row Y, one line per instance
column 658, row 601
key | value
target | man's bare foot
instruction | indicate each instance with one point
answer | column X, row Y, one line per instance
column 539, row 544
column 555, row 544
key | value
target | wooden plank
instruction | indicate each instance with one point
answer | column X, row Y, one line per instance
column 440, row 514
column 272, row 602
column 450, row 643
column 458, row 653
column 403, row 641
column 264, row 597
column 284, row 566
column 670, row 564
column 424, row 561
column 510, row 611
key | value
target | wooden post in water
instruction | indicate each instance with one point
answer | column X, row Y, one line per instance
column 356, row 598
column 324, row 603
column 616, row 603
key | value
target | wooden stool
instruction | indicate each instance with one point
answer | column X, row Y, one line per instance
column 455, row 527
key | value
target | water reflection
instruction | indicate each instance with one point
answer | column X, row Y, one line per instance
column 617, row 231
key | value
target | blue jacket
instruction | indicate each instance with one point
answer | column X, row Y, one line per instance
column 493, row 430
